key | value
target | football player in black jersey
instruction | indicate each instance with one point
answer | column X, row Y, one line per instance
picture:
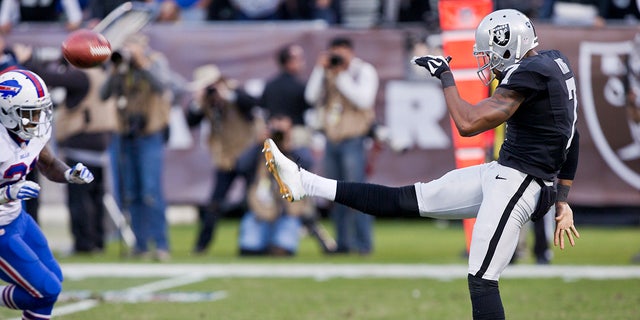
column 536, row 97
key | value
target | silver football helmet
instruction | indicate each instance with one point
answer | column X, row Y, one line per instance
column 25, row 105
column 503, row 37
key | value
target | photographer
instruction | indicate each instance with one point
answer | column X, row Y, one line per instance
column 139, row 82
column 283, row 94
column 228, row 110
column 271, row 225
column 84, row 129
column 344, row 88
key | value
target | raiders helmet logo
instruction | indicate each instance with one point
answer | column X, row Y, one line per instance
column 501, row 34
column 615, row 132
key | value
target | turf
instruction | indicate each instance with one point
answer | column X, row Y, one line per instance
column 301, row 299
column 396, row 241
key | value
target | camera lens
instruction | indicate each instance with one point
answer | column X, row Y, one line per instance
column 116, row 57
column 335, row 60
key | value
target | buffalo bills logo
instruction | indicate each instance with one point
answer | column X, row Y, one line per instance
column 501, row 34
column 9, row 88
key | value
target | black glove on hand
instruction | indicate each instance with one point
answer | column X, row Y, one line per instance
column 436, row 65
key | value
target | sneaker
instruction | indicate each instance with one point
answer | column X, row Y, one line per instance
column 162, row 255
column 140, row 255
column 285, row 171
column 636, row 258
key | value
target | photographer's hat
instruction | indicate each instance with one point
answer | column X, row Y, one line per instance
column 204, row 76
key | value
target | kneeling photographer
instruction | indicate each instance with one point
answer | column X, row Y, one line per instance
column 139, row 81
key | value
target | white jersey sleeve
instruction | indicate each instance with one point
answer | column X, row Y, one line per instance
column 17, row 159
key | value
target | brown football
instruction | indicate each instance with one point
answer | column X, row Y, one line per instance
column 86, row 49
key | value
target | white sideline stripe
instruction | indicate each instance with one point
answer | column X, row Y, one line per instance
column 324, row 271
column 131, row 293
column 73, row 307
column 164, row 284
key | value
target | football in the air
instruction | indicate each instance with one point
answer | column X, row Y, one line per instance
column 86, row 49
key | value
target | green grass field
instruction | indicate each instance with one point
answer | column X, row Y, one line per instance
column 409, row 242
column 396, row 241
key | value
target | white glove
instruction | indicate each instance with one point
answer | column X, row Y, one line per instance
column 21, row 190
column 78, row 174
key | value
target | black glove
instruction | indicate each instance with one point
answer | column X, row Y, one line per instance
column 436, row 65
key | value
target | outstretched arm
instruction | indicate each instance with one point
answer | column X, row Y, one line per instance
column 487, row 114
column 471, row 119
column 56, row 170
column 50, row 166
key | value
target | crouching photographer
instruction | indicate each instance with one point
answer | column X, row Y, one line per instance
column 271, row 225
column 139, row 81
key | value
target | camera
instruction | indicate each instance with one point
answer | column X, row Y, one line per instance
column 210, row 91
column 336, row 60
column 136, row 124
column 120, row 56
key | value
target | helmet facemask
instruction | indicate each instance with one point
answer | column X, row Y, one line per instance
column 485, row 67
column 32, row 121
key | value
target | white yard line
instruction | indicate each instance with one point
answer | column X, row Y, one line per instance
column 73, row 307
column 165, row 284
column 323, row 271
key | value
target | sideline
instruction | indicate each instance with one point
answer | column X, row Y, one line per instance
column 327, row 271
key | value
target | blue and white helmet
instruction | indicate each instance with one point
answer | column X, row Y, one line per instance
column 503, row 37
column 25, row 105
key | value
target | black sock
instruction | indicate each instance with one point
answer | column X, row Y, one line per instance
column 378, row 200
column 485, row 299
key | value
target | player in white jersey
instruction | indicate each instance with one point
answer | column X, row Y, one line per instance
column 536, row 97
column 26, row 263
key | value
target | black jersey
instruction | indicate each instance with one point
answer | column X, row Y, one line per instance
column 540, row 132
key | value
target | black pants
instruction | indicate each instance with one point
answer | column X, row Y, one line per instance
column 210, row 213
column 87, row 211
column 541, row 244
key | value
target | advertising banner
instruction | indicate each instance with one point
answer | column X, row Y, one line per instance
column 420, row 146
